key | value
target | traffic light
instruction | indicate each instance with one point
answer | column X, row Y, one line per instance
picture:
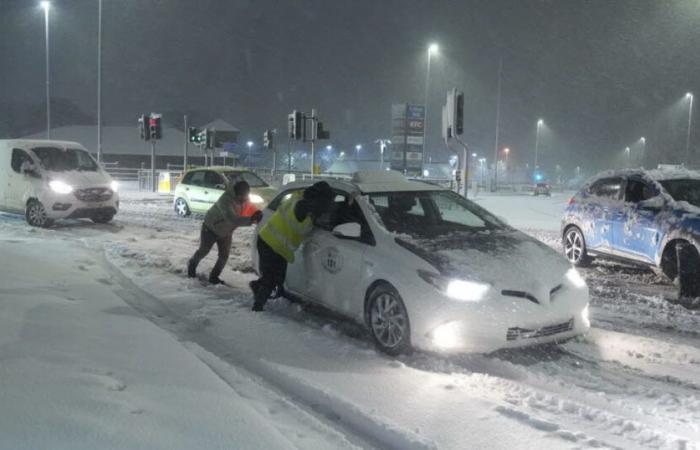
column 454, row 113
column 321, row 133
column 459, row 114
column 209, row 136
column 268, row 139
column 194, row 135
column 143, row 127
column 154, row 127
column 295, row 125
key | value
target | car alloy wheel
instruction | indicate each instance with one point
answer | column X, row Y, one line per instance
column 575, row 247
column 388, row 321
column 181, row 207
column 36, row 215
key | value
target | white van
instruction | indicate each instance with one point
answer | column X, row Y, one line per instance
column 49, row 180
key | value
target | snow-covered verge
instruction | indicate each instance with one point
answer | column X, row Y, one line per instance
column 628, row 384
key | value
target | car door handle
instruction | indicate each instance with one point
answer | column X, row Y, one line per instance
column 187, row 189
column 206, row 192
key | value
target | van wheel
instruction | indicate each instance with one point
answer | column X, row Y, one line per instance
column 388, row 321
column 181, row 207
column 36, row 215
column 102, row 218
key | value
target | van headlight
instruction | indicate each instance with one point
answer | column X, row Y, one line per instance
column 60, row 187
column 575, row 278
column 255, row 198
column 114, row 186
column 462, row 290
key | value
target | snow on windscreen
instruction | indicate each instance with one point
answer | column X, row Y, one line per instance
column 57, row 159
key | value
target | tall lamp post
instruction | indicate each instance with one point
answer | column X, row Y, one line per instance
column 689, row 96
column 99, row 82
column 46, row 5
column 432, row 48
column 643, row 153
column 506, row 151
column 628, row 152
column 358, row 147
column 540, row 122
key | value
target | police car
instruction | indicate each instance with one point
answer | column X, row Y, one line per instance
column 422, row 267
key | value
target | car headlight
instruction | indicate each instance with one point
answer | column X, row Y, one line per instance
column 114, row 186
column 255, row 198
column 575, row 278
column 60, row 187
column 462, row 290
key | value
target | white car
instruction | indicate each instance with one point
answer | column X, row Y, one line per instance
column 49, row 180
column 422, row 267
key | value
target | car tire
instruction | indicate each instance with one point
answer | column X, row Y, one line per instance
column 388, row 320
column 102, row 218
column 688, row 269
column 182, row 209
column 35, row 214
column 575, row 247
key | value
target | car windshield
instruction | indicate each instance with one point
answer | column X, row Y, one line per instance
column 253, row 180
column 683, row 190
column 57, row 159
column 428, row 214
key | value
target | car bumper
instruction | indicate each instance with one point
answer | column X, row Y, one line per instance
column 499, row 322
column 67, row 206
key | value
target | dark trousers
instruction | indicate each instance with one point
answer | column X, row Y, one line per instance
column 207, row 240
column 273, row 270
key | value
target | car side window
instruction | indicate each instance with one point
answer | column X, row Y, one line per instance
column 196, row 178
column 187, row 178
column 607, row 188
column 211, row 179
column 19, row 157
column 274, row 204
column 637, row 191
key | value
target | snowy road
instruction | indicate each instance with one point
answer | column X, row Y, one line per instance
column 633, row 382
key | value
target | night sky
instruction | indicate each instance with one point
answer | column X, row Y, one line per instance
column 600, row 73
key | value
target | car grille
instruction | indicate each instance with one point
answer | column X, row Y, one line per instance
column 527, row 295
column 516, row 333
column 93, row 194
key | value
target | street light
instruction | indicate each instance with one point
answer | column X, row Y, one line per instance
column 329, row 147
column 689, row 96
column 250, row 147
column 629, row 156
column 506, row 151
column 46, row 5
column 358, row 147
column 540, row 122
column 432, row 48
column 643, row 153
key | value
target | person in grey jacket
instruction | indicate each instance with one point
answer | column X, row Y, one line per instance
column 232, row 210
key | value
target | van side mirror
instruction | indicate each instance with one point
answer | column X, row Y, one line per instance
column 351, row 230
column 652, row 204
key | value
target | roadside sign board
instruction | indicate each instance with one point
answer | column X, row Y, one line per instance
column 407, row 138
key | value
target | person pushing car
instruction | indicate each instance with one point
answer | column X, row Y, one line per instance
column 232, row 210
column 279, row 238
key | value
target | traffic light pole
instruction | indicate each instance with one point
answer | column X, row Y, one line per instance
column 154, row 181
column 465, row 165
column 187, row 143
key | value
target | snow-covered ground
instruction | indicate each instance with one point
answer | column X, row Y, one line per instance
column 105, row 343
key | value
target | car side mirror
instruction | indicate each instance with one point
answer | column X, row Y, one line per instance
column 351, row 230
column 221, row 187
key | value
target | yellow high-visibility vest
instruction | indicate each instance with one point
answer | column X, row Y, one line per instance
column 283, row 232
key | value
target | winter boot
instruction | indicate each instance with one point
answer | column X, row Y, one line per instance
column 191, row 269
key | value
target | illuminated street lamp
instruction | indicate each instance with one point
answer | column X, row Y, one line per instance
column 629, row 156
column 46, row 5
column 540, row 122
column 432, row 49
column 358, row 147
column 250, row 147
column 643, row 153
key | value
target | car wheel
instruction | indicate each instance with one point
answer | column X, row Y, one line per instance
column 388, row 321
column 575, row 247
column 36, row 215
column 181, row 207
column 102, row 218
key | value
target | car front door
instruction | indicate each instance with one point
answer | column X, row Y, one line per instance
column 635, row 229
column 604, row 202
column 334, row 265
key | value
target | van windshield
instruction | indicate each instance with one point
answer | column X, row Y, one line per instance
column 57, row 159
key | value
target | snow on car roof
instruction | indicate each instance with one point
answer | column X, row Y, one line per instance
column 388, row 181
column 29, row 143
column 662, row 173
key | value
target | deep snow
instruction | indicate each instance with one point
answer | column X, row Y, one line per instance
column 633, row 382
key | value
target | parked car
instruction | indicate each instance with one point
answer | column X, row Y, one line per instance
column 200, row 188
column 422, row 267
column 648, row 217
column 48, row 180
column 542, row 189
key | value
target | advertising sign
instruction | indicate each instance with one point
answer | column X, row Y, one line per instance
column 407, row 138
